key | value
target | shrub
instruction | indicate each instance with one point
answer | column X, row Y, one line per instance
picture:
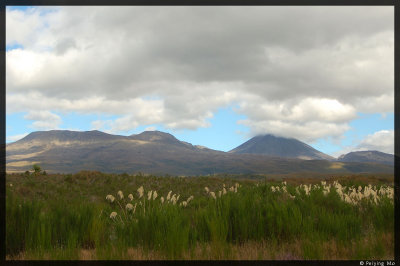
column 36, row 169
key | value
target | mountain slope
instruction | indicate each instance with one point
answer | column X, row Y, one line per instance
column 281, row 147
column 368, row 156
column 153, row 152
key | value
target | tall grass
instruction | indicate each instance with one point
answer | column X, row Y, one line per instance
column 59, row 230
column 39, row 226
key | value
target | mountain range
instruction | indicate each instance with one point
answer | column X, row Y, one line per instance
column 367, row 156
column 156, row 152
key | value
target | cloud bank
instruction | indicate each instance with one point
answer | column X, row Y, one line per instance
column 302, row 72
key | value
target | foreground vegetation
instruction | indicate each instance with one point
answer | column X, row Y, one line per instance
column 91, row 215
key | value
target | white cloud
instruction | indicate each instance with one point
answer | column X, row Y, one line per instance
column 307, row 132
column 382, row 141
column 308, row 109
column 381, row 103
column 151, row 128
column 176, row 66
column 44, row 120
column 100, row 124
column 307, row 120
column 21, row 26
column 124, row 123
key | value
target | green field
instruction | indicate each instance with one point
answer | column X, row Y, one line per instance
column 256, row 217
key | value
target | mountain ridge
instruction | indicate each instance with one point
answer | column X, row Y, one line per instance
column 367, row 156
column 155, row 153
column 65, row 135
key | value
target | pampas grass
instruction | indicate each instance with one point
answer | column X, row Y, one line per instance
column 311, row 215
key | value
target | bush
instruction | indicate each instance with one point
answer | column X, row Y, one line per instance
column 36, row 169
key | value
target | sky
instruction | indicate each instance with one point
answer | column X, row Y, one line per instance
column 211, row 76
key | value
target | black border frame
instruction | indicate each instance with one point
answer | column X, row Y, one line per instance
column 394, row 3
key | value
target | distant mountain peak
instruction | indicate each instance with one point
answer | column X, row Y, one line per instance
column 269, row 144
column 155, row 136
column 271, row 135
column 155, row 133
column 367, row 156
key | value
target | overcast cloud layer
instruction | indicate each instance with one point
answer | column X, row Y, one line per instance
column 301, row 72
